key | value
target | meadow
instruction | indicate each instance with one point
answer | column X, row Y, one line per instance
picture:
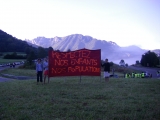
column 18, row 53
column 19, row 72
column 66, row 98
column 5, row 61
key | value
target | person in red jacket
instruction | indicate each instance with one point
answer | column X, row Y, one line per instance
column 45, row 66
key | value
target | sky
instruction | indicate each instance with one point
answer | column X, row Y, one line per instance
column 125, row 22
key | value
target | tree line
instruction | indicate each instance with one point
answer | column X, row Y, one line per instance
column 150, row 59
column 14, row 55
column 9, row 43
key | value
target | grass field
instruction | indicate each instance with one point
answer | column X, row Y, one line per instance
column 18, row 53
column 4, row 61
column 64, row 98
column 19, row 72
column 31, row 73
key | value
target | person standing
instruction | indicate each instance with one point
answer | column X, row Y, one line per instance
column 158, row 73
column 39, row 70
column 45, row 65
column 106, row 66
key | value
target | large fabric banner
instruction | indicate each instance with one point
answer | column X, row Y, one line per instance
column 75, row 63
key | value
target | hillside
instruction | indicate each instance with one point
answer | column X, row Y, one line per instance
column 109, row 49
column 8, row 43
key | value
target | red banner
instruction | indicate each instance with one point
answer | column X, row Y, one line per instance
column 75, row 63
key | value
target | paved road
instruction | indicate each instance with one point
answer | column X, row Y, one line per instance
column 153, row 71
column 3, row 79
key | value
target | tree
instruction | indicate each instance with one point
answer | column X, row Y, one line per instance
column 2, row 47
column 27, row 50
column 149, row 59
column 42, row 52
column 9, row 43
column 14, row 54
column 50, row 48
column 122, row 63
column 137, row 62
column 31, row 57
column 126, row 65
column 57, row 50
column 68, row 50
column 1, row 54
column 111, row 63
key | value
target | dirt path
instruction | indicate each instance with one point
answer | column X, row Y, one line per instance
column 2, row 79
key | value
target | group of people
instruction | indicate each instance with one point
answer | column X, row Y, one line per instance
column 138, row 75
column 106, row 66
column 158, row 73
column 42, row 69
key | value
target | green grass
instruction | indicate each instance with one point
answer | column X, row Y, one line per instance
column 19, row 72
column 124, row 69
column 18, row 53
column 3, row 61
column 64, row 98
column 32, row 73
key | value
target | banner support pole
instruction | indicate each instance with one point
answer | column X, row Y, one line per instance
column 80, row 79
column 64, row 79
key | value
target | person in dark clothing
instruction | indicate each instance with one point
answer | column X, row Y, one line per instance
column 106, row 66
column 39, row 70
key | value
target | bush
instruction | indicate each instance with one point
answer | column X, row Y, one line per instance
column 28, row 66
column 158, row 66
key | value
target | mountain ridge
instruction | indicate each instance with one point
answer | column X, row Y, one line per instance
column 109, row 49
column 68, row 38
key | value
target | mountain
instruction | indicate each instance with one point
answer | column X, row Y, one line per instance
column 109, row 49
column 8, row 43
